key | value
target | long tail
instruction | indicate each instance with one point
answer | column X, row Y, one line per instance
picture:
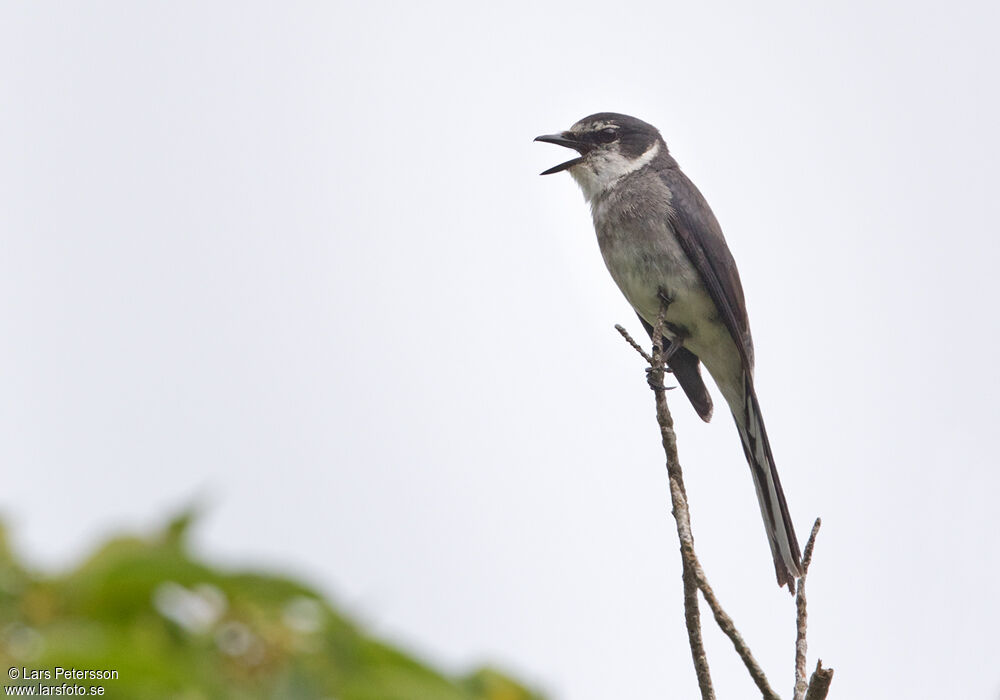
column 777, row 521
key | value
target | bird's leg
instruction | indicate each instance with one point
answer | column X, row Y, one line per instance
column 678, row 333
column 654, row 374
column 673, row 345
column 662, row 355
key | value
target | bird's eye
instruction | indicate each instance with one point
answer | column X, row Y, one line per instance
column 606, row 135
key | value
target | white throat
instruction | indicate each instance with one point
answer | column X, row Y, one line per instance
column 604, row 168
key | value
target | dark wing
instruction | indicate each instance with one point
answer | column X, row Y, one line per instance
column 684, row 365
column 701, row 237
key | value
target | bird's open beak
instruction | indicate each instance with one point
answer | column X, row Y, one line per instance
column 564, row 139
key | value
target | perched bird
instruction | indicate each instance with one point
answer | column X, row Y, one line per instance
column 662, row 245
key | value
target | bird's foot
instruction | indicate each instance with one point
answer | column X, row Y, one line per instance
column 654, row 377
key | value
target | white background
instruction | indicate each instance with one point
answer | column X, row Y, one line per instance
column 294, row 260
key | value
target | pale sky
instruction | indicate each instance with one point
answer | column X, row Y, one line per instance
column 294, row 260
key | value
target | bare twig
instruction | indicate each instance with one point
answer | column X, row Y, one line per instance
column 807, row 556
column 630, row 341
column 694, row 576
column 678, row 498
column 727, row 625
column 692, row 616
column 693, row 619
column 819, row 683
column 821, row 678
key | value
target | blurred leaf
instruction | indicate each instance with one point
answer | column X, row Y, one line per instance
column 174, row 627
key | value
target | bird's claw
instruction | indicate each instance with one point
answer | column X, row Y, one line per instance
column 655, row 386
column 654, row 378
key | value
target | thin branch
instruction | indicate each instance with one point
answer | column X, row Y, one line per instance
column 678, row 498
column 630, row 341
column 800, row 618
column 694, row 576
column 727, row 625
column 819, row 683
column 692, row 616
column 807, row 557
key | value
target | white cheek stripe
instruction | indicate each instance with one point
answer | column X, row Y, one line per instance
column 610, row 171
column 646, row 157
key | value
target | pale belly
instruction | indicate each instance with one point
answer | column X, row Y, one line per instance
column 691, row 313
column 642, row 271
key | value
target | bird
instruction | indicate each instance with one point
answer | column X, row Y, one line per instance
column 664, row 248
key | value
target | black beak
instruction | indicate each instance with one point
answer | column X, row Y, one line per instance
column 564, row 139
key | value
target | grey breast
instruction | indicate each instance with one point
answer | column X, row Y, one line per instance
column 638, row 243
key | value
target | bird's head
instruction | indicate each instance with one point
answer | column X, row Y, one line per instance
column 610, row 146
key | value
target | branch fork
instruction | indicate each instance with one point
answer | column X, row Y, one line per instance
column 693, row 575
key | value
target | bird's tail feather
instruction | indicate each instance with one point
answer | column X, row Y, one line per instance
column 777, row 521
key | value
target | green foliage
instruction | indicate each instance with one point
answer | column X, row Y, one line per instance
column 173, row 627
